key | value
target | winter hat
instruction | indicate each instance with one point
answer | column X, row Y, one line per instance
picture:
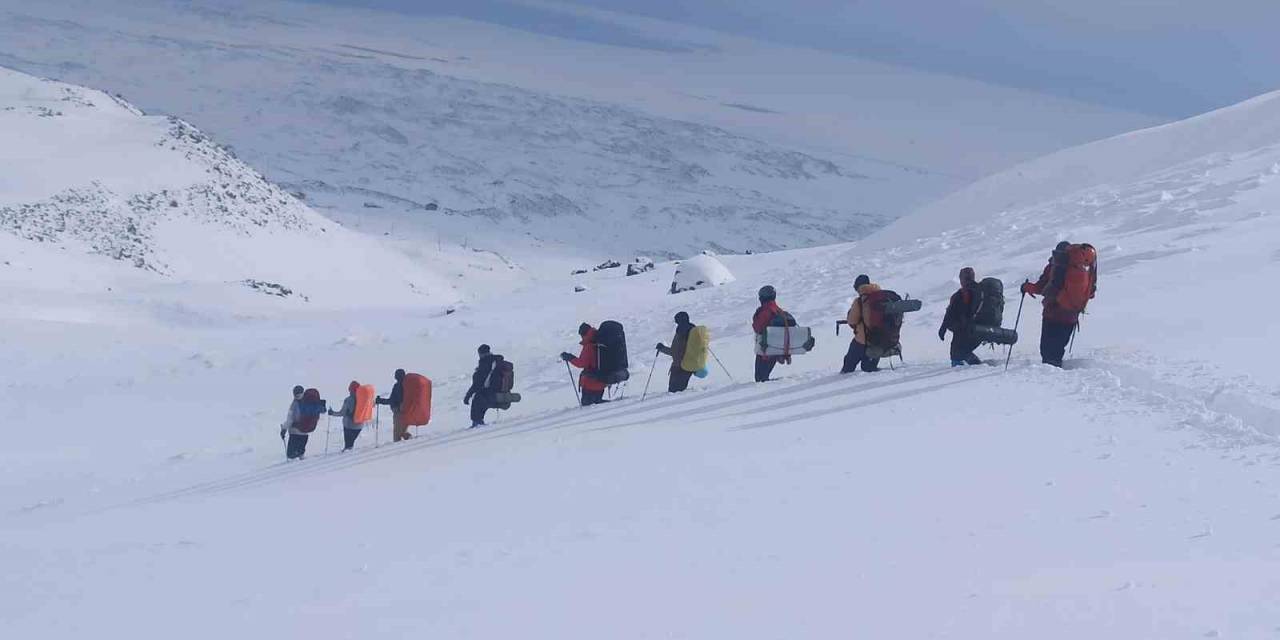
column 967, row 275
column 583, row 329
column 353, row 386
column 399, row 375
column 861, row 280
column 483, row 350
column 1062, row 246
column 682, row 317
column 298, row 390
column 768, row 293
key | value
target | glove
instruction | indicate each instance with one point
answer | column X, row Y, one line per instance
column 567, row 357
column 1027, row 289
column 660, row 346
column 466, row 399
column 942, row 333
column 282, row 433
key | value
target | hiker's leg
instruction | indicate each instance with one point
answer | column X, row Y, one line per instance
column 1053, row 342
column 679, row 380
column 853, row 356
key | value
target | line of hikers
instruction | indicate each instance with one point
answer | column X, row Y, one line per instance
column 974, row 316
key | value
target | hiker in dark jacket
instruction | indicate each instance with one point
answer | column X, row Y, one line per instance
column 760, row 320
column 678, row 379
column 350, row 428
column 479, row 395
column 962, row 311
column 857, row 354
column 400, row 429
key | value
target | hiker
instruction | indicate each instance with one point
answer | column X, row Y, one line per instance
column 1068, row 283
column 678, row 379
column 588, row 360
column 962, row 312
column 350, row 428
column 857, row 354
column 760, row 321
column 400, row 429
column 300, row 421
column 479, row 396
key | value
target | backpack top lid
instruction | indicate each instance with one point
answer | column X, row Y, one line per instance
column 311, row 403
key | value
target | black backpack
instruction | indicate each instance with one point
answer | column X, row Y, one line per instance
column 503, row 376
column 611, row 353
column 991, row 307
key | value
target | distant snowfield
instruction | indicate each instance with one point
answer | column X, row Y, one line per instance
column 546, row 153
column 143, row 490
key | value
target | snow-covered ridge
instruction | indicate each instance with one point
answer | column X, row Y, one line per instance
column 1120, row 160
column 545, row 149
column 89, row 176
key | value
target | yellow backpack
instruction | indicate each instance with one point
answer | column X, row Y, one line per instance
column 695, row 350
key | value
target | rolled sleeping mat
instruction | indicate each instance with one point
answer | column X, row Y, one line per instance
column 995, row 335
column 902, row 306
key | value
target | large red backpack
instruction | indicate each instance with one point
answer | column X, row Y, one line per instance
column 884, row 329
column 1074, row 280
column 309, row 410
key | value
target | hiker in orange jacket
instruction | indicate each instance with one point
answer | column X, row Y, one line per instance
column 587, row 360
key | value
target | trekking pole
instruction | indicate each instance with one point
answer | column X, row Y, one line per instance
column 1016, row 321
column 1071, row 349
column 726, row 369
column 572, row 383
column 377, row 421
column 651, row 370
column 328, row 429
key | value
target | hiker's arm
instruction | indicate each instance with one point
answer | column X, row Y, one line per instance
column 1038, row 286
column 664, row 349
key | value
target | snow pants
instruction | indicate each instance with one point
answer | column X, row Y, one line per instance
column 679, row 380
column 592, row 397
column 1053, row 341
column 399, row 429
column 480, row 404
column 962, row 347
column 857, row 355
column 297, row 446
column 764, row 368
column 349, row 438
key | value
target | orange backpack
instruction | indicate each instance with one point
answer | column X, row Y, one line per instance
column 363, row 413
column 415, row 409
column 1075, row 277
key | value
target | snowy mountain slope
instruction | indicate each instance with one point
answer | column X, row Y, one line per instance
column 520, row 139
column 1131, row 495
column 86, row 179
column 1120, row 160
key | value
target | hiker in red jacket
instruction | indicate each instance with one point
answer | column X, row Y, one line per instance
column 763, row 316
column 1068, row 283
column 587, row 360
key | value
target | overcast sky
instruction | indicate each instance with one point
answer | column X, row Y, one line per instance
column 1164, row 57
